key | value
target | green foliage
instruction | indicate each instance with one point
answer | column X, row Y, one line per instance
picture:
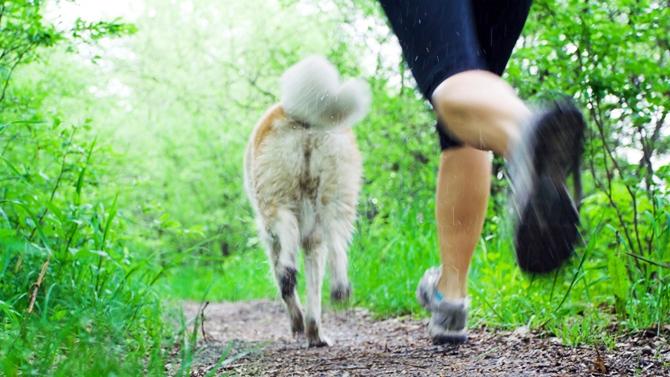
column 74, row 298
column 23, row 31
column 71, row 291
column 124, row 171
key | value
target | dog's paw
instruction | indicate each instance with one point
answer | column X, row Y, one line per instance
column 314, row 336
column 318, row 342
column 340, row 293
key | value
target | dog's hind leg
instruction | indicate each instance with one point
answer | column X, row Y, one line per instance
column 340, row 288
column 340, row 228
column 284, row 240
column 315, row 255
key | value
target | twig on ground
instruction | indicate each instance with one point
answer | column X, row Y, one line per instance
column 202, row 322
column 38, row 283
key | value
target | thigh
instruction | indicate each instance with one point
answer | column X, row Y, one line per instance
column 438, row 38
column 499, row 24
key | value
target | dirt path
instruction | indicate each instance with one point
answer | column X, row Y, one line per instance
column 257, row 341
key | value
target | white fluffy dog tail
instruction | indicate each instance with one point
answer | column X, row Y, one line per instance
column 311, row 92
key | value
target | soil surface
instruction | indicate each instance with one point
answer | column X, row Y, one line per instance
column 253, row 338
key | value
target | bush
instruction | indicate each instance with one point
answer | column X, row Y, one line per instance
column 74, row 299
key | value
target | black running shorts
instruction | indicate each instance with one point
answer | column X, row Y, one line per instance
column 440, row 38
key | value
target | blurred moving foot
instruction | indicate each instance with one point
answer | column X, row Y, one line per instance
column 448, row 319
column 546, row 228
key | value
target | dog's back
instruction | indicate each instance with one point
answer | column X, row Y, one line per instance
column 293, row 167
column 302, row 175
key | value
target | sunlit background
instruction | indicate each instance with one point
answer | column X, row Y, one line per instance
column 175, row 102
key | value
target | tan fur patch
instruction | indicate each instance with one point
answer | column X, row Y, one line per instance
column 264, row 125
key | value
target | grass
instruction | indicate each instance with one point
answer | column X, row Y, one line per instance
column 73, row 301
column 240, row 277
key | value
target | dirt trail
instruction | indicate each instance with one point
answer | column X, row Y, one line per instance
column 262, row 345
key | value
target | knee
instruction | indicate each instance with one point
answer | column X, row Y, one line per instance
column 463, row 94
column 447, row 104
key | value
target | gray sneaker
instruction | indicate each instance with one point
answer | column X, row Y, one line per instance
column 449, row 316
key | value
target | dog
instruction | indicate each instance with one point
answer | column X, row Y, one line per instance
column 302, row 174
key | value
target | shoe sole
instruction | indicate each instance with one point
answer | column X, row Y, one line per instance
column 548, row 227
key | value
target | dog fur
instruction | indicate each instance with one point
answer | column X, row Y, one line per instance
column 302, row 174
